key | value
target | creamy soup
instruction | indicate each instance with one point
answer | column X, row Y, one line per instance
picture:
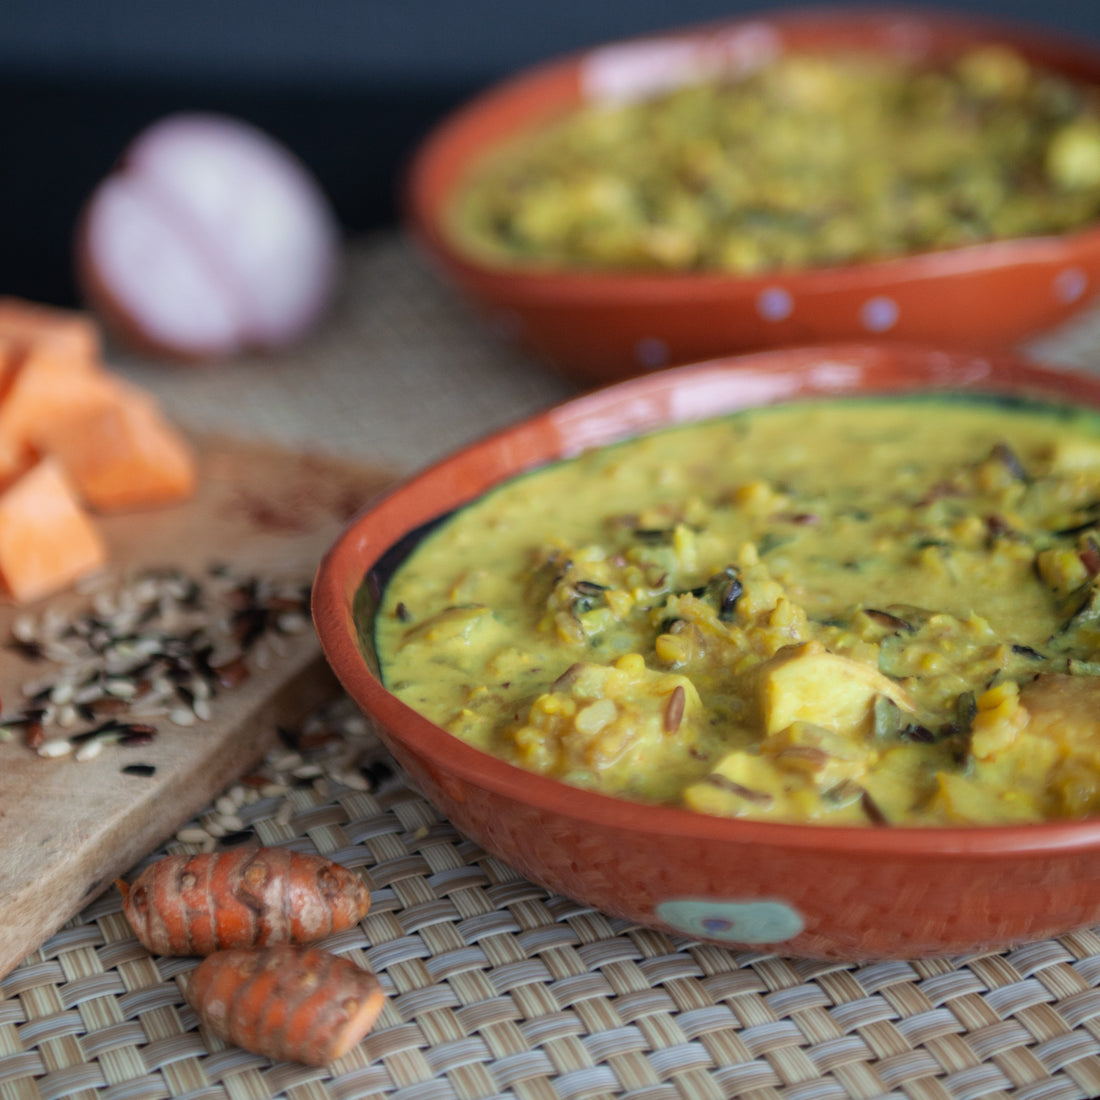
column 881, row 611
column 807, row 161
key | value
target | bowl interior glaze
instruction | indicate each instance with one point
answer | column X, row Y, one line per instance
column 599, row 326
column 805, row 890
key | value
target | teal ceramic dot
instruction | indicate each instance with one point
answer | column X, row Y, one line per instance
column 732, row 921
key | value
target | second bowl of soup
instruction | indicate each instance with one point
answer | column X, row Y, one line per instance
column 811, row 174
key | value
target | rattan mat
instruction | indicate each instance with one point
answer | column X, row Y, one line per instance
column 499, row 989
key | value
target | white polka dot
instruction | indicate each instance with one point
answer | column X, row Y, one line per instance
column 774, row 303
column 879, row 314
column 651, row 352
column 1070, row 284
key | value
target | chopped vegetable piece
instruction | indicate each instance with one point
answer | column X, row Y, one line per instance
column 122, row 453
column 68, row 333
column 47, row 540
column 44, row 384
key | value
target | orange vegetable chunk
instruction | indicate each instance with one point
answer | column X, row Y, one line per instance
column 121, row 452
column 47, row 540
column 70, row 334
column 13, row 455
column 45, row 387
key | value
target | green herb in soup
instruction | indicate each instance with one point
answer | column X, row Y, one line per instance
column 865, row 612
column 811, row 160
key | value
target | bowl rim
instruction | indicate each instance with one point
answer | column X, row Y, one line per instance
column 383, row 521
column 425, row 212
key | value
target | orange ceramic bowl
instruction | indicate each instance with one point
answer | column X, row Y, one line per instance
column 817, row 891
column 600, row 326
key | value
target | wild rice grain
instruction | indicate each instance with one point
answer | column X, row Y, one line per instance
column 89, row 750
column 24, row 629
column 355, row 726
column 674, row 710
column 55, row 746
column 291, row 623
column 87, row 694
column 286, row 761
column 67, row 716
column 351, row 779
column 62, row 691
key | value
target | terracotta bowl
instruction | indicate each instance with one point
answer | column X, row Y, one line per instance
column 604, row 326
column 804, row 890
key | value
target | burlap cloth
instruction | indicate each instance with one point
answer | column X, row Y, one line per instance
column 496, row 988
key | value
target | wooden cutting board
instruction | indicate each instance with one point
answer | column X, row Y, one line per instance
column 69, row 827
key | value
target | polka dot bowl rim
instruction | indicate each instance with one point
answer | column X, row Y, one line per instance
column 602, row 326
column 833, row 892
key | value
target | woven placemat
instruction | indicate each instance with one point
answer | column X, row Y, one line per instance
column 498, row 988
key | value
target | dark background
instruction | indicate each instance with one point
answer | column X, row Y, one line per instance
column 349, row 85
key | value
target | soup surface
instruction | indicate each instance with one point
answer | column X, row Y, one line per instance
column 811, row 160
column 880, row 611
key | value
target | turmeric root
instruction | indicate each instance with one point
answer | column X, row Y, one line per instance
column 291, row 1003
column 195, row 905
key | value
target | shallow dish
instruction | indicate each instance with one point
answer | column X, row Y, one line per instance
column 805, row 890
column 599, row 326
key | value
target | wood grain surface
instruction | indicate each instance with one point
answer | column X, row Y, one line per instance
column 69, row 827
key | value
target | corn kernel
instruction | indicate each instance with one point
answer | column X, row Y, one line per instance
column 673, row 649
column 631, row 662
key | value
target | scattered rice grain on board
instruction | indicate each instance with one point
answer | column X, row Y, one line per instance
column 153, row 644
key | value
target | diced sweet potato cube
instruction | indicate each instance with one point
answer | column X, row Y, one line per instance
column 46, row 387
column 67, row 332
column 13, row 457
column 47, row 540
column 121, row 453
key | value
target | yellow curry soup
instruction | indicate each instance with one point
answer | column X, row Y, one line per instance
column 867, row 612
column 811, row 160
